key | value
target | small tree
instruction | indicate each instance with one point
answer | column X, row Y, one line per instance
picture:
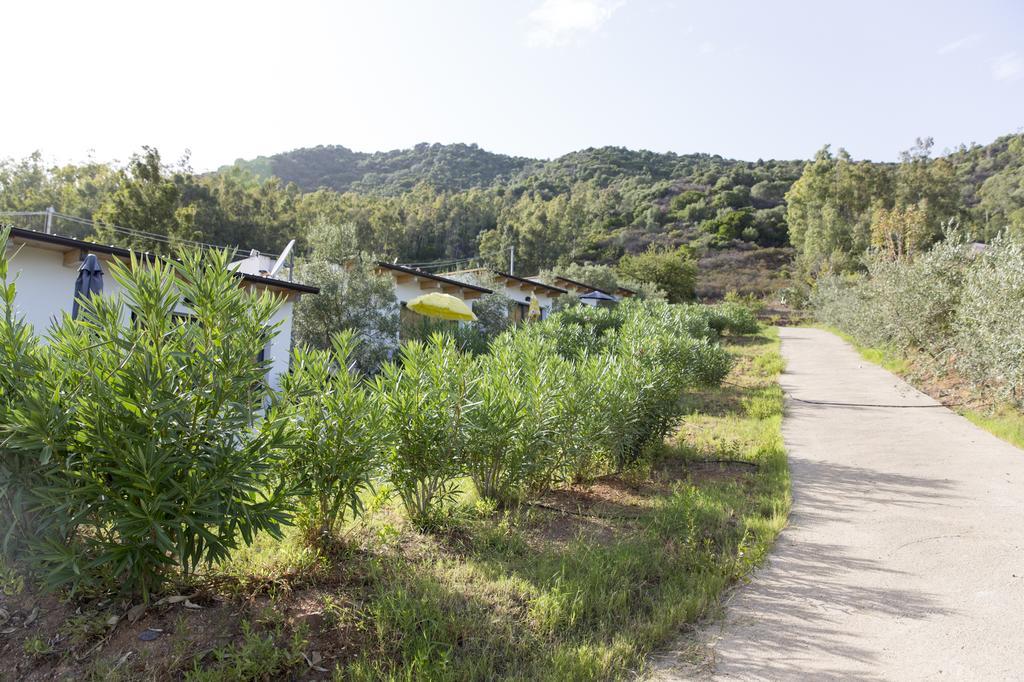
column 674, row 272
column 341, row 437
column 353, row 296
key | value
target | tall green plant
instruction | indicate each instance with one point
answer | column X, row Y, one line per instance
column 20, row 352
column 426, row 397
column 581, row 413
column 144, row 428
column 509, row 436
column 341, row 436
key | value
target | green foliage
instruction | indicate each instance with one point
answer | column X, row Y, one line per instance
column 952, row 303
column 734, row 317
column 341, row 436
column 134, row 445
column 426, row 397
column 839, row 208
column 987, row 329
column 510, row 430
column 257, row 657
column 673, row 272
column 146, row 199
column 728, row 225
column 353, row 296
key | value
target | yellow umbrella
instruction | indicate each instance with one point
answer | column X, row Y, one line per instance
column 443, row 306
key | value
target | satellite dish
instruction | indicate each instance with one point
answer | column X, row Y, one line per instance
column 281, row 260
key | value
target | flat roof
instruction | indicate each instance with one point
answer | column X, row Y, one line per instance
column 527, row 280
column 583, row 285
column 121, row 252
column 429, row 275
column 499, row 273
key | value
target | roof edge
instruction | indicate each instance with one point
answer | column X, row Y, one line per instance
column 122, row 252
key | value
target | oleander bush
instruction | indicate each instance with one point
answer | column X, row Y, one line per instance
column 953, row 303
column 509, row 443
column 133, row 444
column 427, row 401
column 139, row 443
column 341, row 436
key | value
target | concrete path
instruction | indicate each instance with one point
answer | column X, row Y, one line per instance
column 904, row 555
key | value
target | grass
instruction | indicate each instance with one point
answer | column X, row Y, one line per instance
column 1006, row 423
column 583, row 585
column 1003, row 421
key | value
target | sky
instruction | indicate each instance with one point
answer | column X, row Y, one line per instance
column 538, row 78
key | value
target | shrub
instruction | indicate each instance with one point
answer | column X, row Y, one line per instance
column 341, row 436
column 21, row 355
column 674, row 272
column 510, row 429
column 987, row 329
column 950, row 302
column 581, row 407
column 426, row 397
column 733, row 317
column 136, row 446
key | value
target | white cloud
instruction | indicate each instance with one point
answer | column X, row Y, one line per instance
column 556, row 23
column 1008, row 67
column 958, row 43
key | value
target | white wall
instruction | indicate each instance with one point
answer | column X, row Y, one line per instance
column 279, row 351
column 46, row 289
column 45, row 285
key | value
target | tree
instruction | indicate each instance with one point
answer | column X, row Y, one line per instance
column 148, row 200
column 353, row 296
column 900, row 232
column 673, row 272
column 829, row 209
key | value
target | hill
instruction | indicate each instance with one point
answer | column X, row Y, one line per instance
column 451, row 167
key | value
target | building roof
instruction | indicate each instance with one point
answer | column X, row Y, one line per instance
column 626, row 291
column 415, row 272
column 529, row 281
column 580, row 285
column 599, row 295
column 70, row 244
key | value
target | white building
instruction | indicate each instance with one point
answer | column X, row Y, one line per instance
column 520, row 290
column 46, row 266
column 412, row 282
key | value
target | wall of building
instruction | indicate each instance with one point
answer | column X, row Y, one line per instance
column 46, row 290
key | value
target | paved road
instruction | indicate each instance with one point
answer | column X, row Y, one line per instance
column 904, row 555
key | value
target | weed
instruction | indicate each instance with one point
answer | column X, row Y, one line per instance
column 37, row 647
column 257, row 657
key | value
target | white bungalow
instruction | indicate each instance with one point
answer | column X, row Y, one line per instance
column 46, row 266
column 521, row 290
column 413, row 282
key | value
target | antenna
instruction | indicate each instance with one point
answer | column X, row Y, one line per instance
column 280, row 261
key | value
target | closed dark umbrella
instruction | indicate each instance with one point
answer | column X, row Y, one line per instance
column 89, row 282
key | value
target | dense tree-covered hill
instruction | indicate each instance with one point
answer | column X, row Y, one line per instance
column 451, row 167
